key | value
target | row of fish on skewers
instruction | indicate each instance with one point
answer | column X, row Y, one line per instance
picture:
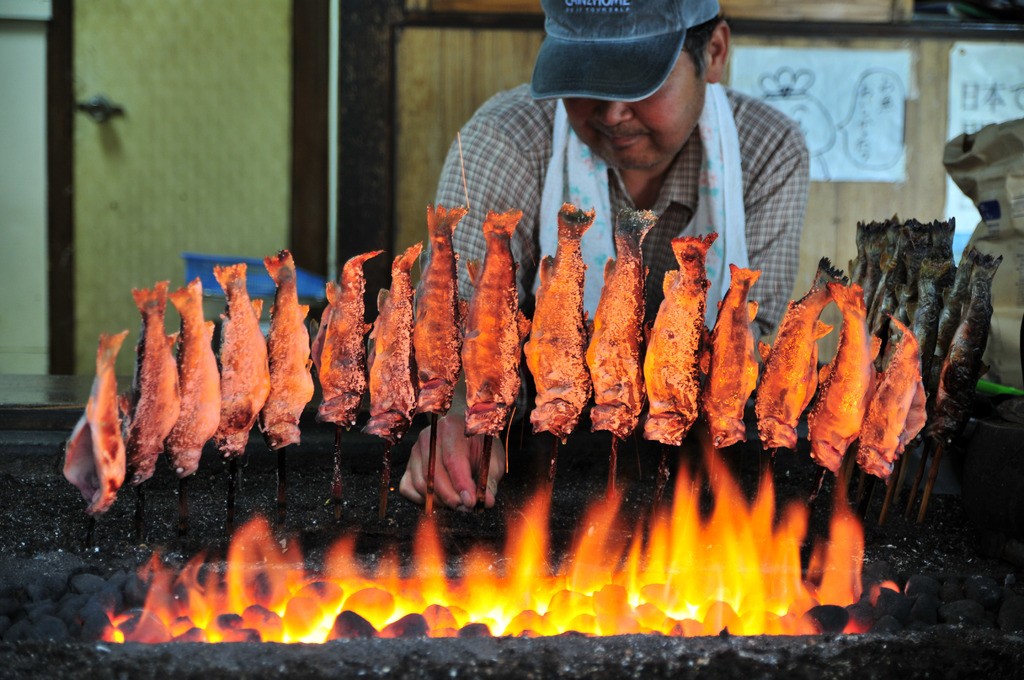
column 425, row 338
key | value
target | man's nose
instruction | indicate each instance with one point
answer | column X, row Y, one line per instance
column 612, row 113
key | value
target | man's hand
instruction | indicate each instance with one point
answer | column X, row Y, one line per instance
column 455, row 467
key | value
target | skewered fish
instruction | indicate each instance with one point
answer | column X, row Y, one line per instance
column 152, row 404
column 437, row 334
column 244, row 367
column 963, row 364
column 954, row 299
column 925, row 323
column 671, row 367
column 391, row 365
column 291, row 385
column 732, row 373
column 896, row 412
column 556, row 350
column 790, row 374
column 339, row 350
column 198, row 382
column 615, row 353
column 94, row 459
column 847, row 382
column 495, row 329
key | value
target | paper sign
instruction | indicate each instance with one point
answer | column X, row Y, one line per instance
column 850, row 105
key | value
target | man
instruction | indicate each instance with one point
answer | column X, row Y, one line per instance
column 624, row 109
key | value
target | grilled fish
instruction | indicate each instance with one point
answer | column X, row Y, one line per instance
column 732, row 375
column 556, row 350
column 847, row 382
column 94, row 459
column 672, row 364
column 391, row 365
column 291, row 385
column 896, row 412
column 615, row 353
column 437, row 335
column 339, row 350
column 495, row 329
column 198, row 383
column 925, row 324
column 152, row 404
column 244, row 367
column 953, row 301
column 963, row 365
column 790, row 374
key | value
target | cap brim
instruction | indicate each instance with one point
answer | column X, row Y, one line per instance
column 626, row 71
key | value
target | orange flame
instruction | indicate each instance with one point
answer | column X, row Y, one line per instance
column 680, row 573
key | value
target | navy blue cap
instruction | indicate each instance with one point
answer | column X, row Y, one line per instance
column 612, row 49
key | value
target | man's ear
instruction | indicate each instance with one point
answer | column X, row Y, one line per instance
column 717, row 52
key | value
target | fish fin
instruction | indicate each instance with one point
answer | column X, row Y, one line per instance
column 382, row 299
column 257, row 307
column 304, row 309
column 474, row 267
column 609, row 269
column 751, row 310
column 876, row 345
column 573, row 222
column 821, row 329
column 503, row 223
column 547, row 267
column 524, row 325
column 824, row 373
column 765, row 350
column 172, row 338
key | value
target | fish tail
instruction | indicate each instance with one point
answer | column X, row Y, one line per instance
column 632, row 227
column 847, row 297
column 188, row 296
column 154, row 299
column 281, row 266
column 744, row 276
column 333, row 291
column 573, row 222
column 692, row 248
column 441, row 223
column 405, row 261
column 504, row 223
column 826, row 272
column 229, row 275
column 109, row 346
column 353, row 267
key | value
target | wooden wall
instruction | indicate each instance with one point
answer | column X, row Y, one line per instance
column 444, row 74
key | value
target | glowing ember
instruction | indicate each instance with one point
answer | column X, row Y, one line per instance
column 682, row 573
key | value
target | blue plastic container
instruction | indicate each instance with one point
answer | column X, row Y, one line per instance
column 258, row 281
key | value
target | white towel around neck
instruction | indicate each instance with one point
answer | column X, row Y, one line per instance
column 575, row 175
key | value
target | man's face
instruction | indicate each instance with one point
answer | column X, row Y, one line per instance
column 646, row 134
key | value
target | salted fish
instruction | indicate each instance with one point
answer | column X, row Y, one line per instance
column 733, row 367
column 437, row 333
column 94, row 457
column 677, row 341
column 495, row 330
column 846, row 383
column 615, row 352
column 152, row 404
column 963, row 365
column 896, row 412
column 557, row 348
column 339, row 350
column 198, row 382
column 244, row 367
column 790, row 375
column 291, row 384
column 392, row 371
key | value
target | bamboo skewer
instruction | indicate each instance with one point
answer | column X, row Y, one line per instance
column 481, row 479
column 428, row 505
column 232, row 474
column 894, row 486
column 662, row 477
column 918, row 476
column 385, row 480
column 140, row 513
column 336, row 480
column 552, row 465
column 933, row 474
column 613, row 463
column 819, row 481
column 282, row 485
column 183, row 513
